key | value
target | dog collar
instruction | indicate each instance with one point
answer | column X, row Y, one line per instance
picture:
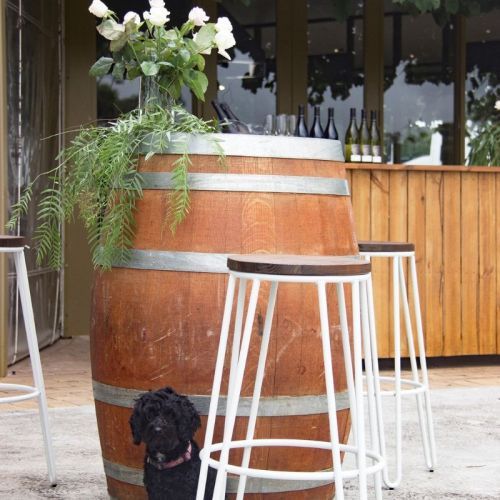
column 185, row 457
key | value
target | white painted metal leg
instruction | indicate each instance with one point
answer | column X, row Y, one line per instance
column 397, row 375
column 423, row 361
column 238, row 323
column 372, row 411
column 231, row 410
column 330, row 391
column 29, row 323
column 358, row 382
column 214, row 399
column 413, row 364
column 376, row 374
column 258, row 384
column 346, row 346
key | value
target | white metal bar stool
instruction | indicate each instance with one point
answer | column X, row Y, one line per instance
column 15, row 245
column 318, row 271
column 419, row 383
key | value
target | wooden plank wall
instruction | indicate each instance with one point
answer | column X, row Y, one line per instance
column 452, row 214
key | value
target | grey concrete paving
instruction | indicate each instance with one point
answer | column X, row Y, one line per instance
column 467, row 430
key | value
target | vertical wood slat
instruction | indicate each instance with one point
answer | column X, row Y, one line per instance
column 487, row 274
column 470, row 259
column 398, row 231
column 434, row 262
column 417, row 232
column 379, row 230
column 452, row 264
column 452, row 217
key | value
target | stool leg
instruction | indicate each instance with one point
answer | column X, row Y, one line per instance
column 413, row 364
column 258, row 384
column 214, row 399
column 370, row 383
column 36, row 365
column 231, row 410
column 358, row 382
column 397, row 374
column 376, row 374
column 346, row 346
column 238, row 323
column 330, row 391
column 423, row 361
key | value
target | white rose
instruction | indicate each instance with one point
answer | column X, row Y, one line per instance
column 157, row 16
column 156, row 3
column 98, row 8
column 224, row 40
column 132, row 16
column 497, row 105
column 198, row 16
column 224, row 24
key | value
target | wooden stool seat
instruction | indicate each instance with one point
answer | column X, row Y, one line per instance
column 7, row 241
column 298, row 265
column 385, row 246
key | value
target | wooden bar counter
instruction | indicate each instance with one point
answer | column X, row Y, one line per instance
column 452, row 214
column 156, row 318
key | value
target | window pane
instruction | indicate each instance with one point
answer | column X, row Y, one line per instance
column 248, row 82
column 418, row 98
column 482, row 84
column 335, row 62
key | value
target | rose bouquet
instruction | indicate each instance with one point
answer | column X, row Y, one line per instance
column 172, row 57
column 97, row 171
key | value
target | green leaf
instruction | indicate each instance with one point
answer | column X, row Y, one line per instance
column 205, row 37
column 197, row 82
column 101, row 67
column 133, row 71
column 111, row 30
column 185, row 55
column 118, row 44
column 118, row 70
column 199, row 61
column 149, row 68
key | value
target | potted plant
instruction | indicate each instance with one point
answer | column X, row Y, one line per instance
column 97, row 172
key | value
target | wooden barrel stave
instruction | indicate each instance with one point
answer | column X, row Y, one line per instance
column 161, row 328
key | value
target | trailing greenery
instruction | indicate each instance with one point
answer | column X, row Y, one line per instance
column 97, row 174
column 485, row 147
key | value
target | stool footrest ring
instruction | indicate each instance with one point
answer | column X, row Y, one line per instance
column 416, row 387
column 29, row 392
column 291, row 475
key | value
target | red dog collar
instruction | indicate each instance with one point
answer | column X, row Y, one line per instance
column 185, row 457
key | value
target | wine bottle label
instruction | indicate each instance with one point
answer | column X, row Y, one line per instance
column 355, row 149
column 376, row 150
column 366, row 150
column 355, row 158
column 377, row 159
column 366, row 158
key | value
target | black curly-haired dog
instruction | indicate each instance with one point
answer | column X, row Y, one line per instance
column 166, row 422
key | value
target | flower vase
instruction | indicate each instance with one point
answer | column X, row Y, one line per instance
column 152, row 94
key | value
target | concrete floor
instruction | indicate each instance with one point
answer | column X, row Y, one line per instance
column 466, row 403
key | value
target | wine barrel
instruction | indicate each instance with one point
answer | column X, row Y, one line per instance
column 156, row 318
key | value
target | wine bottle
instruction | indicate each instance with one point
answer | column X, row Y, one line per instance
column 352, row 149
column 331, row 129
column 301, row 127
column 365, row 140
column 316, row 129
column 226, row 125
column 375, row 141
column 241, row 126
